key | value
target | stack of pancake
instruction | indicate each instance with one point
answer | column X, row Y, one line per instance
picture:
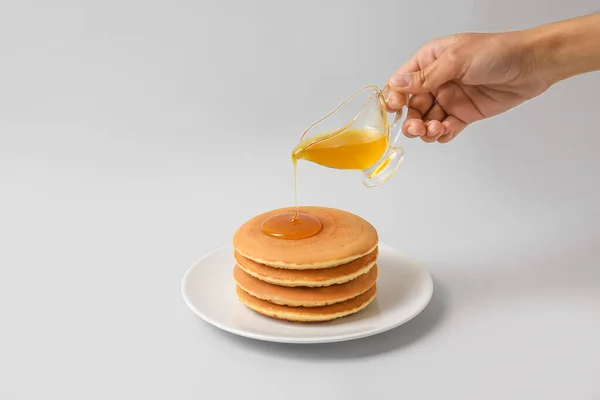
column 326, row 276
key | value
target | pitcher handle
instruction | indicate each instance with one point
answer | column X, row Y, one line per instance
column 396, row 127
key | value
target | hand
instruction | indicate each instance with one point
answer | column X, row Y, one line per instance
column 457, row 80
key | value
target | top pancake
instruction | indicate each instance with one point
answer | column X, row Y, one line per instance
column 344, row 237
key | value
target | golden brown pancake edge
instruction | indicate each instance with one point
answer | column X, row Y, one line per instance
column 305, row 296
column 311, row 278
column 310, row 314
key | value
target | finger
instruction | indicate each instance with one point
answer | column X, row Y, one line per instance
column 446, row 138
column 394, row 101
column 428, row 78
column 426, row 55
column 434, row 131
column 414, row 128
column 419, row 105
column 452, row 127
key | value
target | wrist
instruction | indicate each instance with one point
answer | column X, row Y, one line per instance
column 564, row 49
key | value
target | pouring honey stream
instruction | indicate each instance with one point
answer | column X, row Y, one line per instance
column 366, row 143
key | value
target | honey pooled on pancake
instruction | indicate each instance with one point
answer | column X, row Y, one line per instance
column 343, row 237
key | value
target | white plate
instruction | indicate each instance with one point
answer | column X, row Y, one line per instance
column 404, row 289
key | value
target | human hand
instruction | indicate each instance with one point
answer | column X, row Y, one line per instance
column 459, row 79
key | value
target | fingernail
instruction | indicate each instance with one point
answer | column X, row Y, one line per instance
column 412, row 130
column 431, row 130
column 393, row 103
column 400, row 81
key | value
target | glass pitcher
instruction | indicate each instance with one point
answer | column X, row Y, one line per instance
column 356, row 135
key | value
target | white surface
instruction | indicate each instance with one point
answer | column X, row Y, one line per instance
column 137, row 135
column 404, row 288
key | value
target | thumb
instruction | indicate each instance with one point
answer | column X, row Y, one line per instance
column 426, row 79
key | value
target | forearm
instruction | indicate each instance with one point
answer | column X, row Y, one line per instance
column 566, row 48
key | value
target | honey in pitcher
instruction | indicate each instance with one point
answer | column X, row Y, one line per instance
column 353, row 149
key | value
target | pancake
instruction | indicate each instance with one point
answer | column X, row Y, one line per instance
column 308, row 314
column 304, row 296
column 308, row 277
column 344, row 237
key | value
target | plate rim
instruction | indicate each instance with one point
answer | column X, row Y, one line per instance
column 314, row 340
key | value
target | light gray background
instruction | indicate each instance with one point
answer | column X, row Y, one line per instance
column 135, row 136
